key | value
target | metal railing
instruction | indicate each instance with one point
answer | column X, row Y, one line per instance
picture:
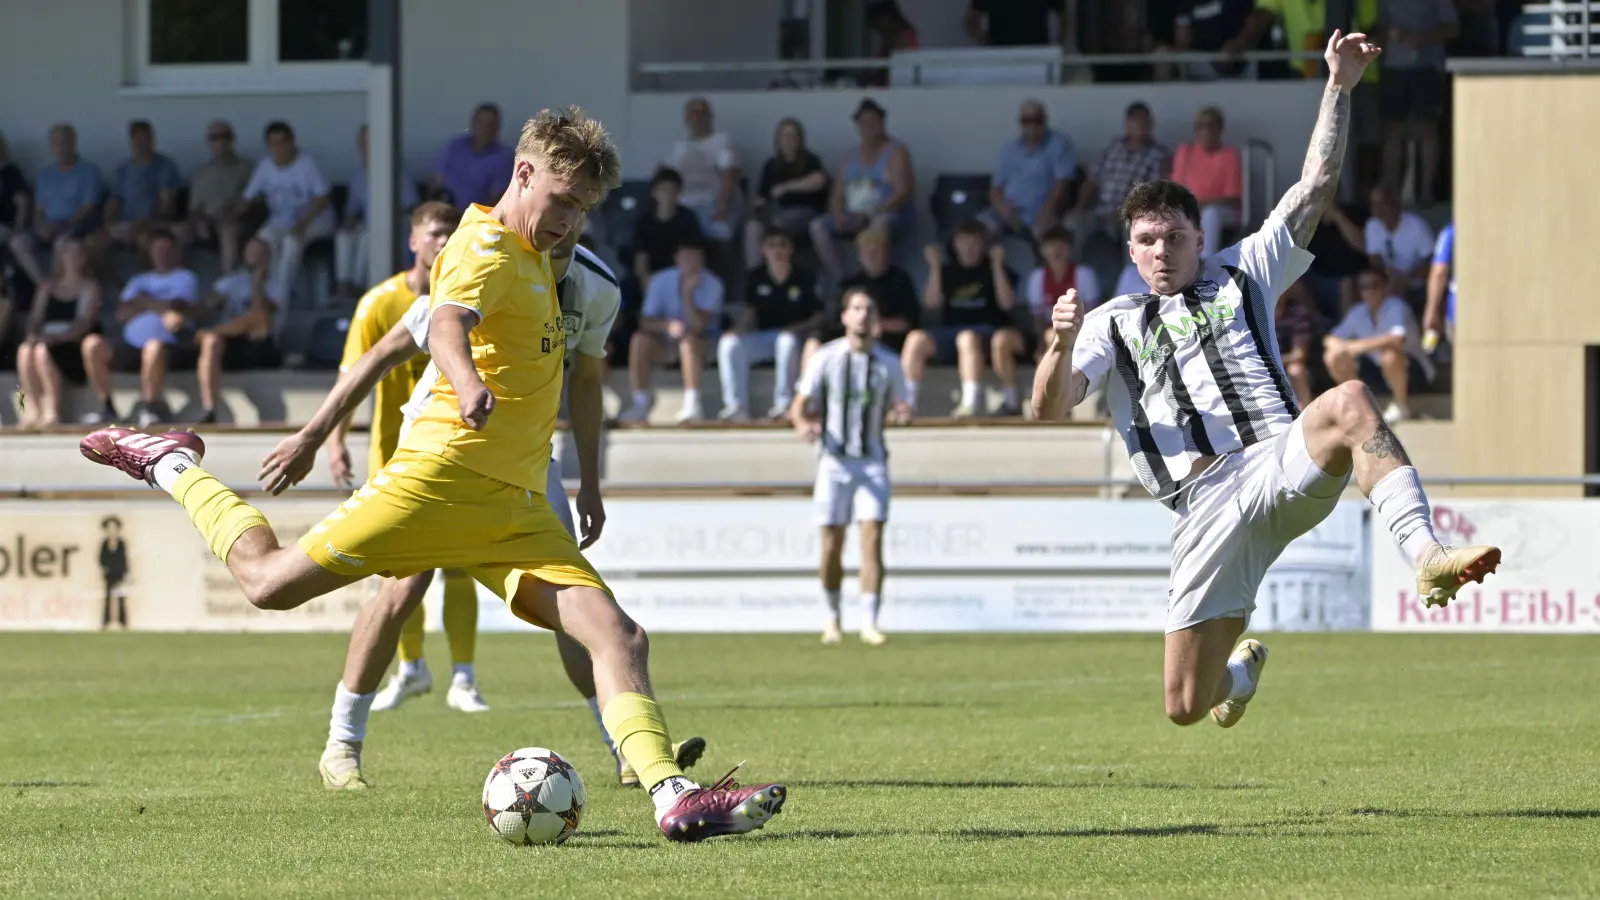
column 1571, row 30
column 1249, row 215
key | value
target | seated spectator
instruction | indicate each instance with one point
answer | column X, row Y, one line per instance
column 1398, row 241
column 793, row 190
column 1378, row 342
column 252, row 306
column 351, row 243
column 682, row 315
column 65, row 316
column 710, row 171
column 474, row 167
column 1210, row 26
column 157, row 315
column 976, row 296
column 1031, row 179
column 1125, row 162
column 1058, row 274
column 66, row 197
column 1439, row 317
column 296, row 197
column 216, row 192
column 1212, row 171
column 657, row 236
column 873, row 190
column 144, row 189
column 1298, row 323
column 1339, row 250
column 14, row 198
column 893, row 293
column 1014, row 23
column 781, row 309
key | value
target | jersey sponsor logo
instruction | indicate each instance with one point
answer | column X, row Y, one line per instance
column 1213, row 317
column 341, row 556
column 487, row 238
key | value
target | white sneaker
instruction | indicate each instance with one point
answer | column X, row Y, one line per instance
column 1394, row 412
column 832, row 634
column 340, row 767
column 464, row 696
column 964, row 411
column 779, row 412
column 871, row 636
column 400, row 689
column 637, row 412
column 733, row 414
column 691, row 412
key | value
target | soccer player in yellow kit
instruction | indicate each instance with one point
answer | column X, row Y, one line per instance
column 380, row 310
column 465, row 488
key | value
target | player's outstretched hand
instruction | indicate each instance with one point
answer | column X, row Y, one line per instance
column 476, row 404
column 591, row 516
column 1066, row 317
column 1348, row 56
column 288, row 464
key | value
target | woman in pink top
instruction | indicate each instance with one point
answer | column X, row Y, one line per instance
column 1212, row 171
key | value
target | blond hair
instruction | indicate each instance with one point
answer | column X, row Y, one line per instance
column 571, row 145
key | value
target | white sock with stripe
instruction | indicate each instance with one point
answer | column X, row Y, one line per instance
column 167, row 469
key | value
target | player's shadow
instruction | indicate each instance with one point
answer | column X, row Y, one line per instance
column 830, row 706
column 991, row 834
column 48, row 784
column 1538, row 813
column 1111, row 784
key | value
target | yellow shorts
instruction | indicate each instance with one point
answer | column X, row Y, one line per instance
column 423, row 512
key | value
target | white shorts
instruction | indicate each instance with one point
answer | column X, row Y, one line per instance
column 850, row 490
column 1236, row 519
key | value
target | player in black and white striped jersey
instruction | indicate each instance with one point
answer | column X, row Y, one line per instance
column 851, row 388
column 1197, row 390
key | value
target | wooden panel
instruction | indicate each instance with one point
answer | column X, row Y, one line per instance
column 1519, row 411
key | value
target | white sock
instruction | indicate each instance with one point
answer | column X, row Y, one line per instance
column 911, row 393
column 594, row 707
column 1008, row 395
column 970, row 392
column 833, row 605
column 869, row 602
column 169, row 467
column 412, row 668
column 1242, row 684
column 641, row 398
column 1404, row 508
column 665, row 795
column 349, row 722
column 466, row 672
column 691, row 398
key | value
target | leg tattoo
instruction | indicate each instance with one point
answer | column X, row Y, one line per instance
column 1384, row 445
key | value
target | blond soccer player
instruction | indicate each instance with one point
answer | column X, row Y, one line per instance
column 466, row 487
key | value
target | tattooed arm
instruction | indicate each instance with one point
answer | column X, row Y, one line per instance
column 1302, row 205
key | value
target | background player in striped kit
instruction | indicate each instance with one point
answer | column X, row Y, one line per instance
column 850, row 389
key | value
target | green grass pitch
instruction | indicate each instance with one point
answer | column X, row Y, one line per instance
column 958, row 766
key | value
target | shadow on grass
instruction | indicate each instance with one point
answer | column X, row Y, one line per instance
column 768, row 705
column 989, row 834
column 48, row 784
column 1480, row 814
column 1031, row 785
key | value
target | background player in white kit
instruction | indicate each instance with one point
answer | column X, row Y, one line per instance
column 1198, row 392
column 850, row 388
column 589, row 299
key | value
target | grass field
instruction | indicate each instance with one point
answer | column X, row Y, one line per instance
column 1017, row 766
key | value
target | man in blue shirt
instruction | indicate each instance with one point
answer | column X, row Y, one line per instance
column 1031, row 178
column 1439, row 317
column 682, row 317
column 144, row 189
column 66, row 201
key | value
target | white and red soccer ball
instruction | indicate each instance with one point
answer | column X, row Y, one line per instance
column 533, row 796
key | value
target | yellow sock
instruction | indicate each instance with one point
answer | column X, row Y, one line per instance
column 221, row 515
column 635, row 722
column 461, row 615
column 411, row 635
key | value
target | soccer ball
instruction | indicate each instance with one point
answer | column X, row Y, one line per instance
column 533, row 796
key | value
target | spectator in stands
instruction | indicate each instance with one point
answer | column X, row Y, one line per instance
column 781, row 310
column 1439, row 316
column 1412, row 89
column 657, row 236
column 1212, row 26
column 710, row 171
column 67, row 195
column 893, row 292
column 793, row 190
column 144, row 189
column 890, row 32
column 216, row 192
column 1305, row 28
column 15, row 201
column 1015, row 23
column 1058, row 273
column 474, row 167
column 296, row 196
column 252, row 305
column 1126, row 161
column 1398, row 241
column 1379, row 333
column 157, row 316
column 682, row 316
column 1298, row 323
column 1340, row 250
column 874, row 190
column 351, row 242
column 1031, row 178
column 976, row 296
column 1212, row 170
column 66, row 313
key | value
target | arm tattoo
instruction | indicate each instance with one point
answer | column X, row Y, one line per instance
column 1383, row 444
column 1302, row 205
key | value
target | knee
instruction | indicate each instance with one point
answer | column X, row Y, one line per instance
column 967, row 342
column 153, row 351
column 1350, row 403
column 639, row 346
column 93, row 348
column 208, row 341
column 1005, row 341
column 727, row 346
column 1390, row 357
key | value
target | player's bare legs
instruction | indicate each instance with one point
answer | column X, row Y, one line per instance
column 1196, row 671
column 871, row 579
column 831, row 570
column 620, row 652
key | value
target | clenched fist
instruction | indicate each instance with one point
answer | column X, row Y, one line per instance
column 1066, row 317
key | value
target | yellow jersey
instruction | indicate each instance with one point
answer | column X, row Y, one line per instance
column 380, row 310
column 518, row 348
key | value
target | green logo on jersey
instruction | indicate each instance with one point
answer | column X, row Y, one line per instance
column 1187, row 328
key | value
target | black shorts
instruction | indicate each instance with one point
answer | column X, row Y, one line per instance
column 1406, row 95
column 241, row 354
column 180, row 356
column 68, row 357
column 945, row 341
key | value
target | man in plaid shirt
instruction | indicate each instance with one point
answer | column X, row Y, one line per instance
column 1127, row 160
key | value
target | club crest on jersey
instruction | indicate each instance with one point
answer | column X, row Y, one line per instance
column 1205, row 290
column 1212, row 316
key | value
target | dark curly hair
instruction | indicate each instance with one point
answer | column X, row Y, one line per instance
column 1159, row 199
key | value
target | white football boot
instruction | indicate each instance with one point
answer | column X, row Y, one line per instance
column 341, row 767
column 464, row 696
column 402, row 688
column 1254, row 656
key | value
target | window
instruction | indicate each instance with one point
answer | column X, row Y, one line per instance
column 228, row 46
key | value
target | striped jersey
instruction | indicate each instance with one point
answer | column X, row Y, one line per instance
column 589, row 298
column 852, row 393
column 1196, row 373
